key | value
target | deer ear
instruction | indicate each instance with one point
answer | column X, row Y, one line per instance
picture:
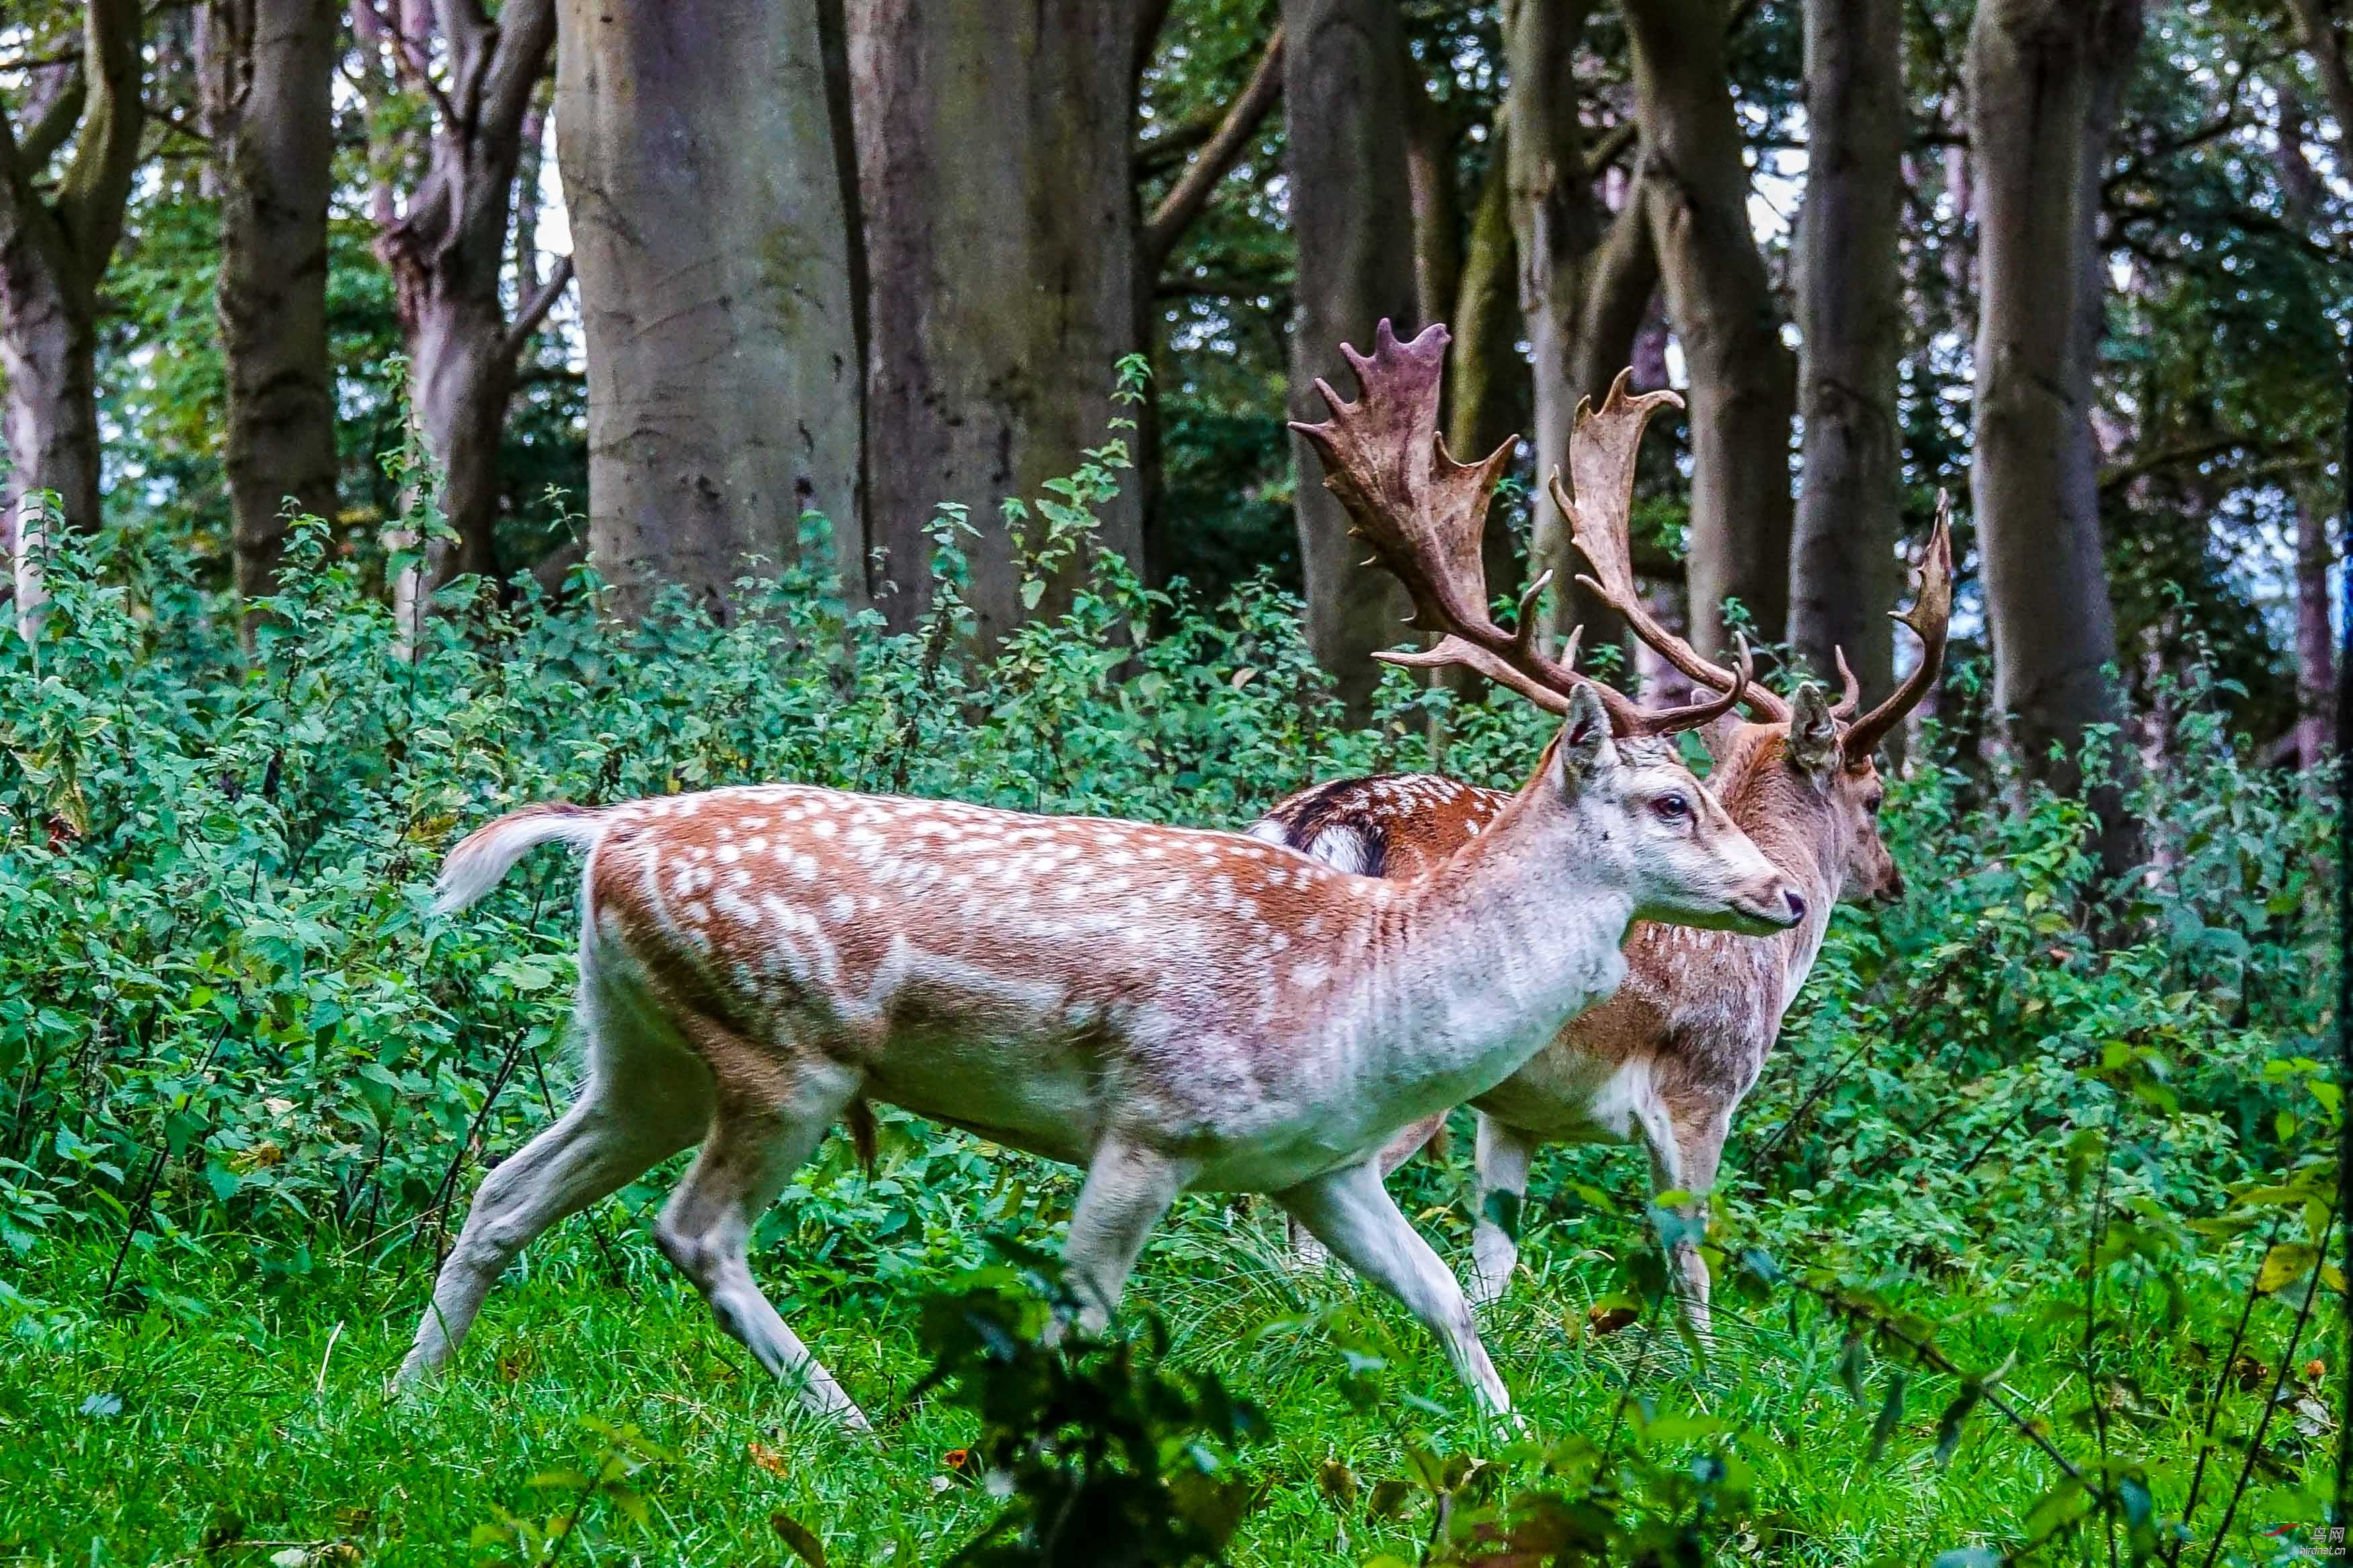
column 1585, row 746
column 1813, row 732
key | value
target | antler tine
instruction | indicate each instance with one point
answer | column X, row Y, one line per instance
column 1851, row 698
column 1601, row 450
column 1667, row 720
column 1930, row 618
column 1422, row 513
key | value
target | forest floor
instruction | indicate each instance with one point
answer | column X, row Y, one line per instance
column 244, row 1420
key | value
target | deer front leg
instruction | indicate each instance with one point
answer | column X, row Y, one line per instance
column 1504, row 1156
column 1686, row 1146
column 1350, row 1212
column 1308, row 1254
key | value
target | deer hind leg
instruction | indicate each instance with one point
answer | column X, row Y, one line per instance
column 1129, row 1187
column 1686, row 1146
column 1504, row 1156
column 755, row 1144
column 1351, row 1212
column 643, row 1102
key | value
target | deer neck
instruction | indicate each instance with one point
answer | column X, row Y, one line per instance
column 1491, row 953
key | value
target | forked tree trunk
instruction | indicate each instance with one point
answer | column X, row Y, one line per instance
column 270, row 66
column 1743, row 383
column 2038, row 132
column 446, row 252
column 1843, row 575
column 707, row 171
column 1352, row 221
column 56, row 238
column 999, row 211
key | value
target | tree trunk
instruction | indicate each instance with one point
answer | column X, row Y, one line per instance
column 1352, row 221
column 1842, row 564
column 1491, row 392
column 2316, row 644
column 1002, row 244
column 2033, row 66
column 1490, row 380
column 447, row 253
column 1576, row 267
column 56, row 241
column 1743, row 383
column 49, row 358
column 707, row 179
column 1436, row 201
column 271, row 64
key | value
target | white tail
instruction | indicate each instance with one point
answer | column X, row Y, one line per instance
column 1167, row 1007
column 485, row 854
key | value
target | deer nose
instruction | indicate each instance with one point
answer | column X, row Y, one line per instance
column 1796, row 904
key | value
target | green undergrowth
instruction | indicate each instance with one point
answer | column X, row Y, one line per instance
column 235, row 1418
column 2022, row 1236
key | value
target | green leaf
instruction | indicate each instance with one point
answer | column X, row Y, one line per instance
column 2285, row 1264
column 799, row 1537
column 1949, row 1426
column 1031, row 591
column 1891, row 1412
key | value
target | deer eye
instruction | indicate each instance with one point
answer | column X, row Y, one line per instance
column 1673, row 805
column 1871, row 805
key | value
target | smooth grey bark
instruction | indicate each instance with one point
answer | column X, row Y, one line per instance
column 1720, row 299
column 446, row 252
column 711, row 221
column 270, row 68
column 2039, row 116
column 1351, row 220
column 1002, row 246
column 1843, row 575
column 57, row 234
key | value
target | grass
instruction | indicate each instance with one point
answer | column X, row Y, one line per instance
column 254, row 1422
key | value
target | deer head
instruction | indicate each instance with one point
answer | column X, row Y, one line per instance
column 1815, row 755
column 1424, row 515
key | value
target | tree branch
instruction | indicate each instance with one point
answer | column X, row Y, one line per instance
column 1190, row 194
column 56, row 123
column 97, row 183
column 534, row 309
column 1612, row 147
column 525, row 35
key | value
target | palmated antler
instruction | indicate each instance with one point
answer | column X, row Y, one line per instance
column 1930, row 618
column 1601, row 447
column 1424, row 515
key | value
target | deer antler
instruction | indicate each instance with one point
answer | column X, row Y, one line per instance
column 1601, row 447
column 1930, row 618
column 1424, row 514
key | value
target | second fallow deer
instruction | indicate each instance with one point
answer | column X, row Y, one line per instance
column 1168, row 1008
column 1668, row 1059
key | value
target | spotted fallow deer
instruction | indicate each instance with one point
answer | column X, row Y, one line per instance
column 1168, row 1008
column 1666, row 1060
